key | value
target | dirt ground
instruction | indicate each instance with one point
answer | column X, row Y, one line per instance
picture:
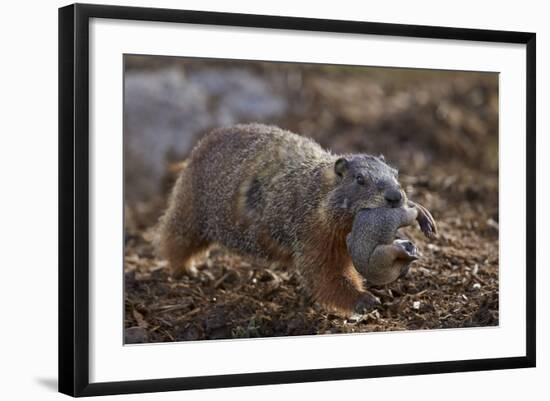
column 439, row 128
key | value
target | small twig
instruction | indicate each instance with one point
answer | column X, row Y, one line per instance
column 188, row 314
column 163, row 321
column 420, row 293
column 474, row 275
column 166, row 333
column 221, row 280
column 171, row 308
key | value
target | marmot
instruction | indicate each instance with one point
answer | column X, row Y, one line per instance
column 263, row 191
column 375, row 252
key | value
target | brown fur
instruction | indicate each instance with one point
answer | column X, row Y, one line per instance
column 262, row 191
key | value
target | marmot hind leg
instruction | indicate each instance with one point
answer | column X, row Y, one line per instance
column 182, row 253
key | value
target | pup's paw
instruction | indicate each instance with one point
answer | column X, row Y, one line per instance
column 425, row 220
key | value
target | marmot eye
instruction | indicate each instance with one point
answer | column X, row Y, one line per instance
column 360, row 180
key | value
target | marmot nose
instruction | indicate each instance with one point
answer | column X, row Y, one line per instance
column 394, row 197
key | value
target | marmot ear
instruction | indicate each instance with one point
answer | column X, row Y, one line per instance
column 381, row 157
column 340, row 166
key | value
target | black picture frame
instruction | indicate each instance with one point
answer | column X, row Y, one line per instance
column 74, row 198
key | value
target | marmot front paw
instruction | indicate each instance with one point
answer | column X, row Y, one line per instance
column 366, row 304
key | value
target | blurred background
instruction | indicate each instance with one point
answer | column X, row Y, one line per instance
column 439, row 128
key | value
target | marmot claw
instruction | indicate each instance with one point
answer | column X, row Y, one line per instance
column 367, row 303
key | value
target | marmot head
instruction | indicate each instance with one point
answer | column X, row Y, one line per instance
column 365, row 181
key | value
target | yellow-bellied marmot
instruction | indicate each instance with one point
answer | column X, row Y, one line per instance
column 263, row 191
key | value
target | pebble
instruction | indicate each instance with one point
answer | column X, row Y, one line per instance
column 135, row 335
column 476, row 268
column 493, row 224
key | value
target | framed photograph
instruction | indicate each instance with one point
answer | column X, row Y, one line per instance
column 251, row 199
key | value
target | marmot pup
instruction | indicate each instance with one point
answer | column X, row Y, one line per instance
column 266, row 192
column 375, row 252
